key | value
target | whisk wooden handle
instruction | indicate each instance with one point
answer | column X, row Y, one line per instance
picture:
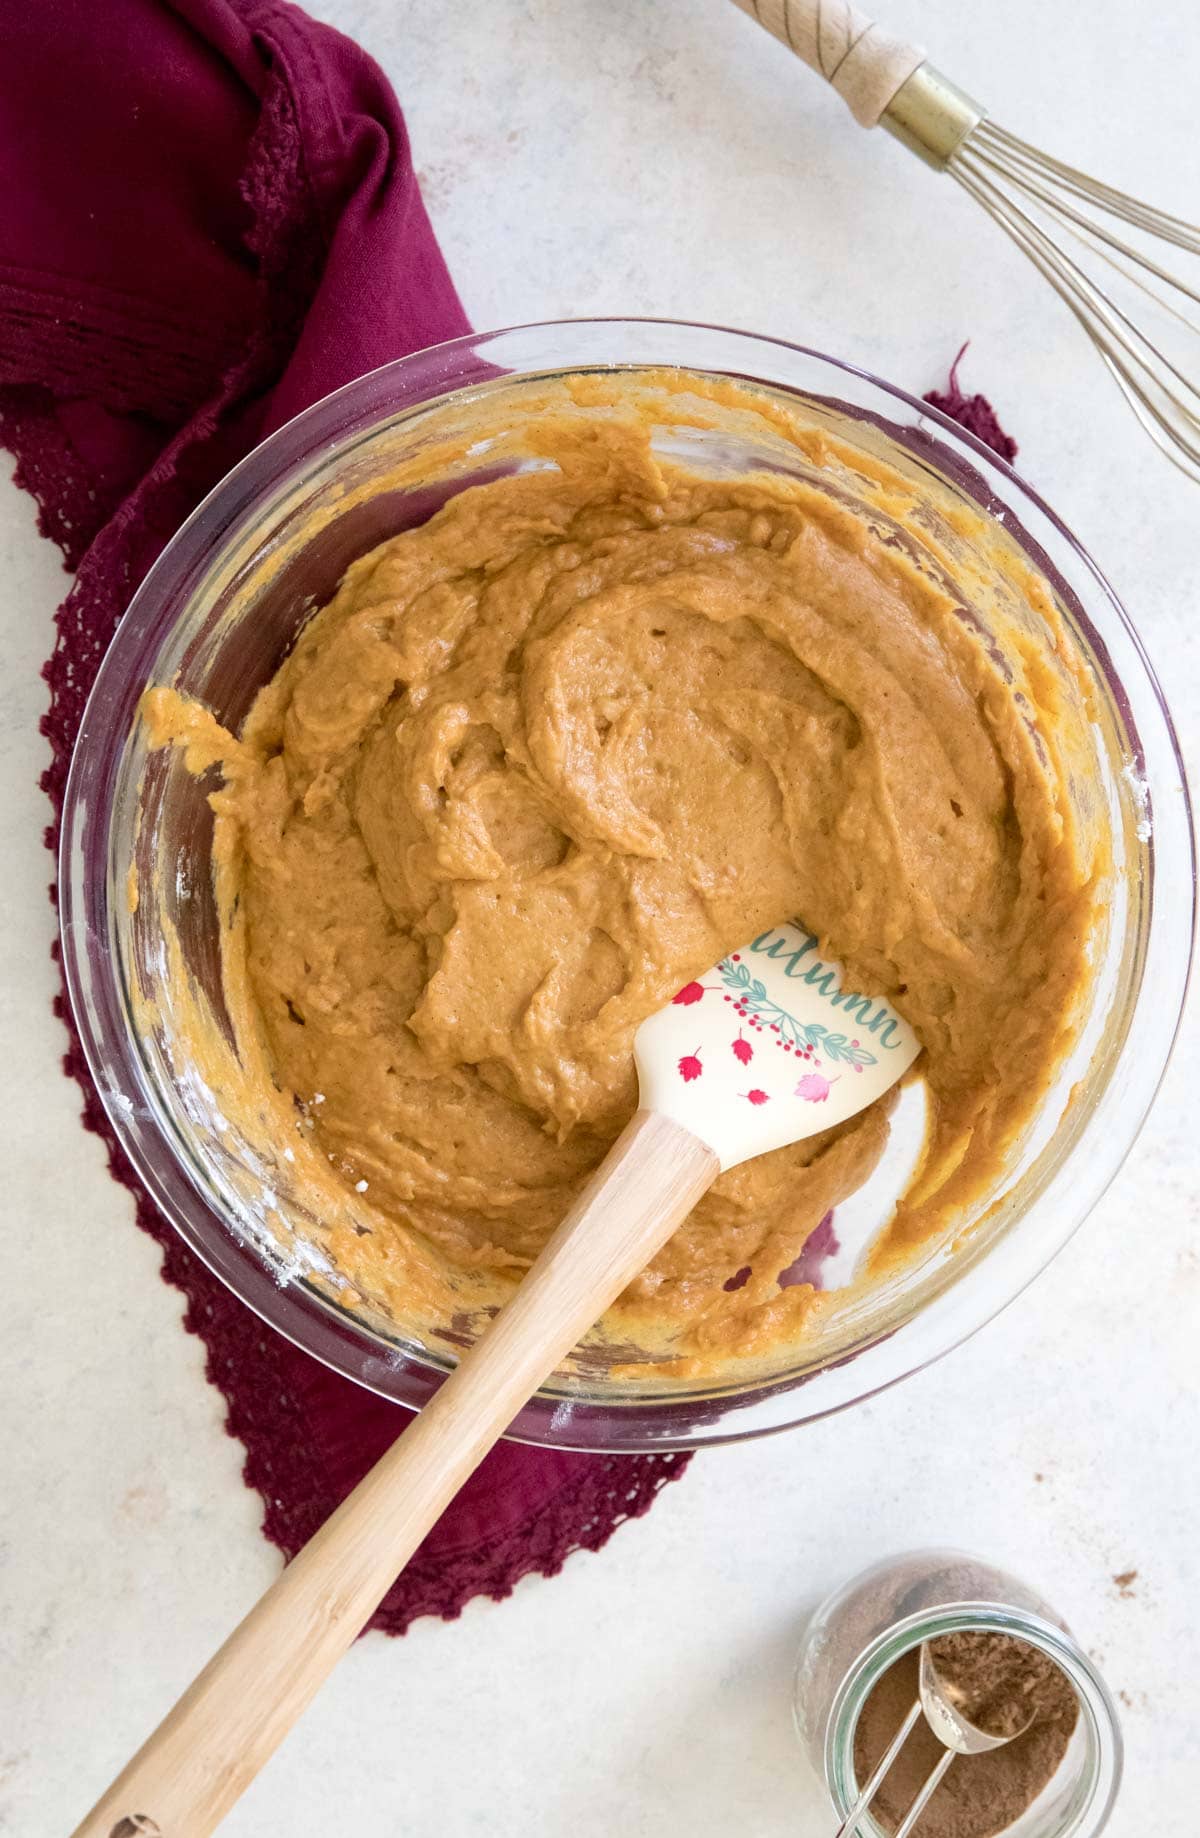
column 865, row 64
column 233, row 1716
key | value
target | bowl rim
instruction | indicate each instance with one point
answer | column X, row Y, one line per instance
column 326, row 1332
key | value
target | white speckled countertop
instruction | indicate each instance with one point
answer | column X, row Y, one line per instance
column 647, row 156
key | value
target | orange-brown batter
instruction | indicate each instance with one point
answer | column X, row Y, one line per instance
column 551, row 755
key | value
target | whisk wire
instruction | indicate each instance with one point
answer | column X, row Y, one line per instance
column 1005, row 176
column 1108, row 311
column 1174, row 428
column 1093, row 191
column 1086, row 226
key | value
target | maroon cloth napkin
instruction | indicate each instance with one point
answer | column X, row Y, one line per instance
column 975, row 413
column 209, row 219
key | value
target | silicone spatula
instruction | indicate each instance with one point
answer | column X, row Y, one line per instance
column 766, row 1048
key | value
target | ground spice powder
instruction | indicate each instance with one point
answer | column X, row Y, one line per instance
column 999, row 1683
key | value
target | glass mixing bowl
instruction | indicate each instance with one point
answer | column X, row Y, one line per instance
column 222, row 607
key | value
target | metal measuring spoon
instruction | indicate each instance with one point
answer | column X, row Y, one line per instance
column 956, row 1732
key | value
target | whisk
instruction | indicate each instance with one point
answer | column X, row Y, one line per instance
column 1108, row 281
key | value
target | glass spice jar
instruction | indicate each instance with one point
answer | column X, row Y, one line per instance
column 861, row 1630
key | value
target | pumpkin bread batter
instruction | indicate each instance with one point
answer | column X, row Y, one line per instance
column 548, row 757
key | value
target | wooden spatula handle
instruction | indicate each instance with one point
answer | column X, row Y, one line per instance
column 210, row 1746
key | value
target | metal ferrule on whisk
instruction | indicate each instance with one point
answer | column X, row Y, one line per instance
column 931, row 116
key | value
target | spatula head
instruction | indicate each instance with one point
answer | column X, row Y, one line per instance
column 769, row 1047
